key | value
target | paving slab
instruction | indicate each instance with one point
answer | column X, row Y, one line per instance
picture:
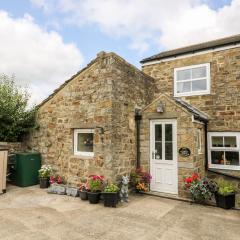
column 32, row 213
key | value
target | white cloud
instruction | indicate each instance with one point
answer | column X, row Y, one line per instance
column 38, row 58
column 169, row 24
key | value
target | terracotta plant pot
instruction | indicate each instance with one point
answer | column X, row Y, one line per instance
column 83, row 195
column 93, row 197
column 226, row 202
column 110, row 199
column 44, row 182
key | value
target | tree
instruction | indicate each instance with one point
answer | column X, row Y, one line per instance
column 16, row 118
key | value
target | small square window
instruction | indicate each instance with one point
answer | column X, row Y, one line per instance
column 83, row 142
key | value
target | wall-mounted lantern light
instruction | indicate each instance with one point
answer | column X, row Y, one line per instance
column 160, row 108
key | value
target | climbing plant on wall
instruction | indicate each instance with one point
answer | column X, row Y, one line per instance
column 16, row 117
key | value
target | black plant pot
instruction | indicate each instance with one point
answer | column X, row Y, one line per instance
column 93, row 197
column 83, row 195
column 44, row 182
column 110, row 199
column 225, row 202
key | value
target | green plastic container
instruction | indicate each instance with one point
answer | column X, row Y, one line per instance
column 24, row 169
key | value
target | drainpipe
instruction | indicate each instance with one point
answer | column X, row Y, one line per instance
column 206, row 144
column 138, row 118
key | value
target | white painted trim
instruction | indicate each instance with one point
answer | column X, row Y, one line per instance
column 193, row 93
column 234, row 149
column 196, row 121
column 186, row 55
column 79, row 153
column 175, row 146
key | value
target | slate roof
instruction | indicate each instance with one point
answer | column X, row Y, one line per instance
column 198, row 115
column 195, row 48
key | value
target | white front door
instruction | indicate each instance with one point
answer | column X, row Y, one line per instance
column 163, row 156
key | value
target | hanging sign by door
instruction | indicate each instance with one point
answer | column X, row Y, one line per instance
column 184, row 152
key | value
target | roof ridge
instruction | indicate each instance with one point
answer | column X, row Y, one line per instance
column 194, row 47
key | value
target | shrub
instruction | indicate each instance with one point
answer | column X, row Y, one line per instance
column 16, row 118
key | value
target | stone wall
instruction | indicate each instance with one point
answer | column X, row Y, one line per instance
column 186, row 137
column 131, row 90
column 97, row 97
column 222, row 104
column 13, row 146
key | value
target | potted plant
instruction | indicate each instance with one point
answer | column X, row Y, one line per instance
column 44, row 175
column 83, row 191
column 140, row 180
column 56, row 179
column 95, row 186
column 110, row 195
column 225, row 195
column 201, row 190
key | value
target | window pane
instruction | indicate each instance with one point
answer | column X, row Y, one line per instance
column 217, row 141
column 217, row 157
column 168, row 132
column 230, row 141
column 199, row 85
column 199, row 72
column 232, row 158
column 183, row 74
column 85, row 142
column 158, row 132
column 168, row 151
column 158, row 150
column 183, row 87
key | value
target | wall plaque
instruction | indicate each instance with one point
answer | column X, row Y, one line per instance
column 184, row 152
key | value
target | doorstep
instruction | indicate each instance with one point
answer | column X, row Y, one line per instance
column 176, row 197
column 169, row 196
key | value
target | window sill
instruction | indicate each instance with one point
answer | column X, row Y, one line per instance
column 224, row 167
column 191, row 94
column 82, row 157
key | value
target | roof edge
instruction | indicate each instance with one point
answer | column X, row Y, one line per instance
column 194, row 48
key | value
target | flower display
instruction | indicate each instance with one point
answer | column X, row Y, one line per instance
column 46, row 171
column 140, row 179
column 56, row 179
column 96, row 183
column 200, row 189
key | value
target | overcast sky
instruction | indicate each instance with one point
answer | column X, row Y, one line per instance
column 44, row 42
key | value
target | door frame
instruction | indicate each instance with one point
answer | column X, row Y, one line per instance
column 152, row 123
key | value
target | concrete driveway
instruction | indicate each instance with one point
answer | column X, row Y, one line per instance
column 31, row 213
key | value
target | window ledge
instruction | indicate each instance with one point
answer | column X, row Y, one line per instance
column 82, row 157
column 224, row 167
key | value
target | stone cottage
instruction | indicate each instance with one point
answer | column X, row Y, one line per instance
column 179, row 115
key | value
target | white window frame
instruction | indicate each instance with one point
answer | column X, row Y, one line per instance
column 234, row 149
column 75, row 139
column 192, row 93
